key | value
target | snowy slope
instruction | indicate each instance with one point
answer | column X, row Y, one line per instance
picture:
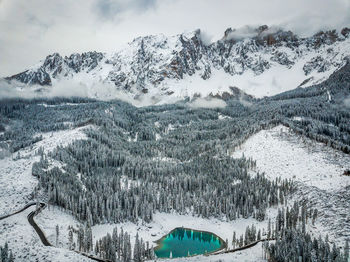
column 26, row 245
column 16, row 190
column 160, row 69
column 280, row 153
column 16, row 180
column 317, row 170
column 253, row 254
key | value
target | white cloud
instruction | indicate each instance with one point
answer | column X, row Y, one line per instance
column 207, row 103
column 206, row 37
column 30, row 30
column 68, row 88
column 242, row 33
column 244, row 102
column 62, row 89
column 249, row 31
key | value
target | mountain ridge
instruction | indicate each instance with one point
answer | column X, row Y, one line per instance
column 255, row 60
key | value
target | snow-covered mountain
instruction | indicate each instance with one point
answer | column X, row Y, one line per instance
column 260, row 61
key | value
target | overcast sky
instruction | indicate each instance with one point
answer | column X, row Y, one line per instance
column 32, row 29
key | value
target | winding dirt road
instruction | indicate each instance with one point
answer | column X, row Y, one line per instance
column 245, row 247
column 40, row 233
column 36, row 227
column 19, row 211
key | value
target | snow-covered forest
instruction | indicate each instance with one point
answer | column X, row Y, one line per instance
column 174, row 158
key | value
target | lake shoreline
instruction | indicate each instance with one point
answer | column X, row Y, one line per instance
column 160, row 243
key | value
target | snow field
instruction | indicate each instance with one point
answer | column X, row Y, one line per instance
column 280, row 153
column 317, row 170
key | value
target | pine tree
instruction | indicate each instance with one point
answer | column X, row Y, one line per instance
column 241, row 241
column 269, row 235
column 97, row 249
column 57, row 234
column 234, row 239
column 70, row 238
column 346, row 250
column 137, row 255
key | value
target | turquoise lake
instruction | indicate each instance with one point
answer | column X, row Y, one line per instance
column 184, row 242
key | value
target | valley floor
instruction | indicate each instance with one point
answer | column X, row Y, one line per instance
column 316, row 168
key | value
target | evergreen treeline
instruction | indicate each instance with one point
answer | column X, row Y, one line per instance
column 297, row 215
column 324, row 111
column 6, row 254
column 294, row 244
column 209, row 188
column 113, row 247
column 117, row 247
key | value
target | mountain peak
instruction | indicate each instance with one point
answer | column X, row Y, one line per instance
column 262, row 35
column 255, row 59
column 345, row 32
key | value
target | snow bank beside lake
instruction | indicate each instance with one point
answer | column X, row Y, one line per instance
column 163, row 223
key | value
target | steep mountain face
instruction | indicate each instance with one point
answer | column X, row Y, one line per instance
column 56, row 67
column 261, row 62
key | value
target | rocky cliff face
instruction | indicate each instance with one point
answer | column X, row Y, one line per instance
column 262, row 61
column 55, row 67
